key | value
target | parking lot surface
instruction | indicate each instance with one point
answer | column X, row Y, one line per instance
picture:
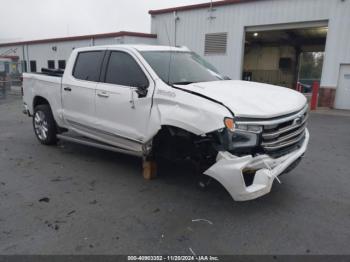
column 72, row 199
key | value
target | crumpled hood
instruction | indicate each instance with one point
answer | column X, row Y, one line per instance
column 251, row 99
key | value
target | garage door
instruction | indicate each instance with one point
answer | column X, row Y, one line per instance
column 342, row 100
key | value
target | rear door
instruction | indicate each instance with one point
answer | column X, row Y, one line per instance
column 78, row 90
column 122, row 113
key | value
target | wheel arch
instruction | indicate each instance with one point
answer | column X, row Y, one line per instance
column 173, row 138
column 173, row 127
column 39, row 100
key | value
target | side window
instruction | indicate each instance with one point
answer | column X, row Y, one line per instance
column 62, row 64
column 123, row 70
column 51, row 64
column 88, row 65
column 32, row 66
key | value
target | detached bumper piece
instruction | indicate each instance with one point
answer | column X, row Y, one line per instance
column 248, row 177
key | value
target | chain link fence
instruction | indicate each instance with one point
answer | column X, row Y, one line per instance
column 10, row 77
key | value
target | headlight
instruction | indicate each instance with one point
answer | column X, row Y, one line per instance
column 232, row 126
column 249, row 128
column 242, row 137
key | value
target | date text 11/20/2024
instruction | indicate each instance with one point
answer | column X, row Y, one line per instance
column 173, row 258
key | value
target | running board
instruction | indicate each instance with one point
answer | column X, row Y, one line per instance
column 93, row 143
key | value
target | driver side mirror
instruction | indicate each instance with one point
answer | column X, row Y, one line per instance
column 141, row 90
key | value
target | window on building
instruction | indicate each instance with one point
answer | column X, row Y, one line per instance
column 62, row 64
column 123, row 70
column 88, row 65
column 32, row 66
column 51, row 64
column 215, row 44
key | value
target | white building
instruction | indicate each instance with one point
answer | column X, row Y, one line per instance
column 263, row 39
column 53, row 53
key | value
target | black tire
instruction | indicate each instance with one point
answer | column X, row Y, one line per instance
column 44, row 125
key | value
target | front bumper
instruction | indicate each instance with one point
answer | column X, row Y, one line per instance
column 228, row 170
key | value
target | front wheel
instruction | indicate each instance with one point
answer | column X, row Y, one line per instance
column 44, row 125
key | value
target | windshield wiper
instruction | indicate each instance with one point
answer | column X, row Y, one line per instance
column 183, row 83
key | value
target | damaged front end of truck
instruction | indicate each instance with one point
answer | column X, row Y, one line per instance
column 252, row 153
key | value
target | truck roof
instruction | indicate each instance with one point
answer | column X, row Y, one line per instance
column 136, row 47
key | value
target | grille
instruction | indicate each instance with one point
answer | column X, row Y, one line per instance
column 278, row 138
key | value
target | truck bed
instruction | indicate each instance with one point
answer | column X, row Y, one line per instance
column 41, row 85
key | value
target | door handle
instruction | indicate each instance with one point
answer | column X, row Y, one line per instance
column 103, row 94
column 68, row 89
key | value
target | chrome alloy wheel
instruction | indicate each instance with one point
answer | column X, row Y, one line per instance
column 40, row 125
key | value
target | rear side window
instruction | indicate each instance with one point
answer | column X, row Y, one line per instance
column 123, row 70
column 88, row 65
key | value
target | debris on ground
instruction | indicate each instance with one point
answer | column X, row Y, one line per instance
column 55, row 225
column 44, row 199
column 194, row 254
column 202, row 220
column 93, row 202
column 71, row 212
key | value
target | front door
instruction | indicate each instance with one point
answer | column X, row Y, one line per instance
column 342, row 100
column 122, row 113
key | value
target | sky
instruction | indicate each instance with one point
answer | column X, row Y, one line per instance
column 37, row 19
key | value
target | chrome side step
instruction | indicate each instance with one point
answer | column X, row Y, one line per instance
column 93, row 143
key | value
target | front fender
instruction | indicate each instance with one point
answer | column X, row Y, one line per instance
column 190, row 112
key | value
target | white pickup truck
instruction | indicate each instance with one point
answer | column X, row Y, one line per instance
column 158, row 101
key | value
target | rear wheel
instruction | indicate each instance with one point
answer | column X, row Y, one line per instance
column 44, row 125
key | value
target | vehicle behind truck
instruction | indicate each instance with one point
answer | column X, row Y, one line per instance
column 167, row 102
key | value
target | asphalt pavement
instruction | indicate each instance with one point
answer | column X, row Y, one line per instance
column 73, row 199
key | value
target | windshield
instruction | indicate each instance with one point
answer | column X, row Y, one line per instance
column 181, row 68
